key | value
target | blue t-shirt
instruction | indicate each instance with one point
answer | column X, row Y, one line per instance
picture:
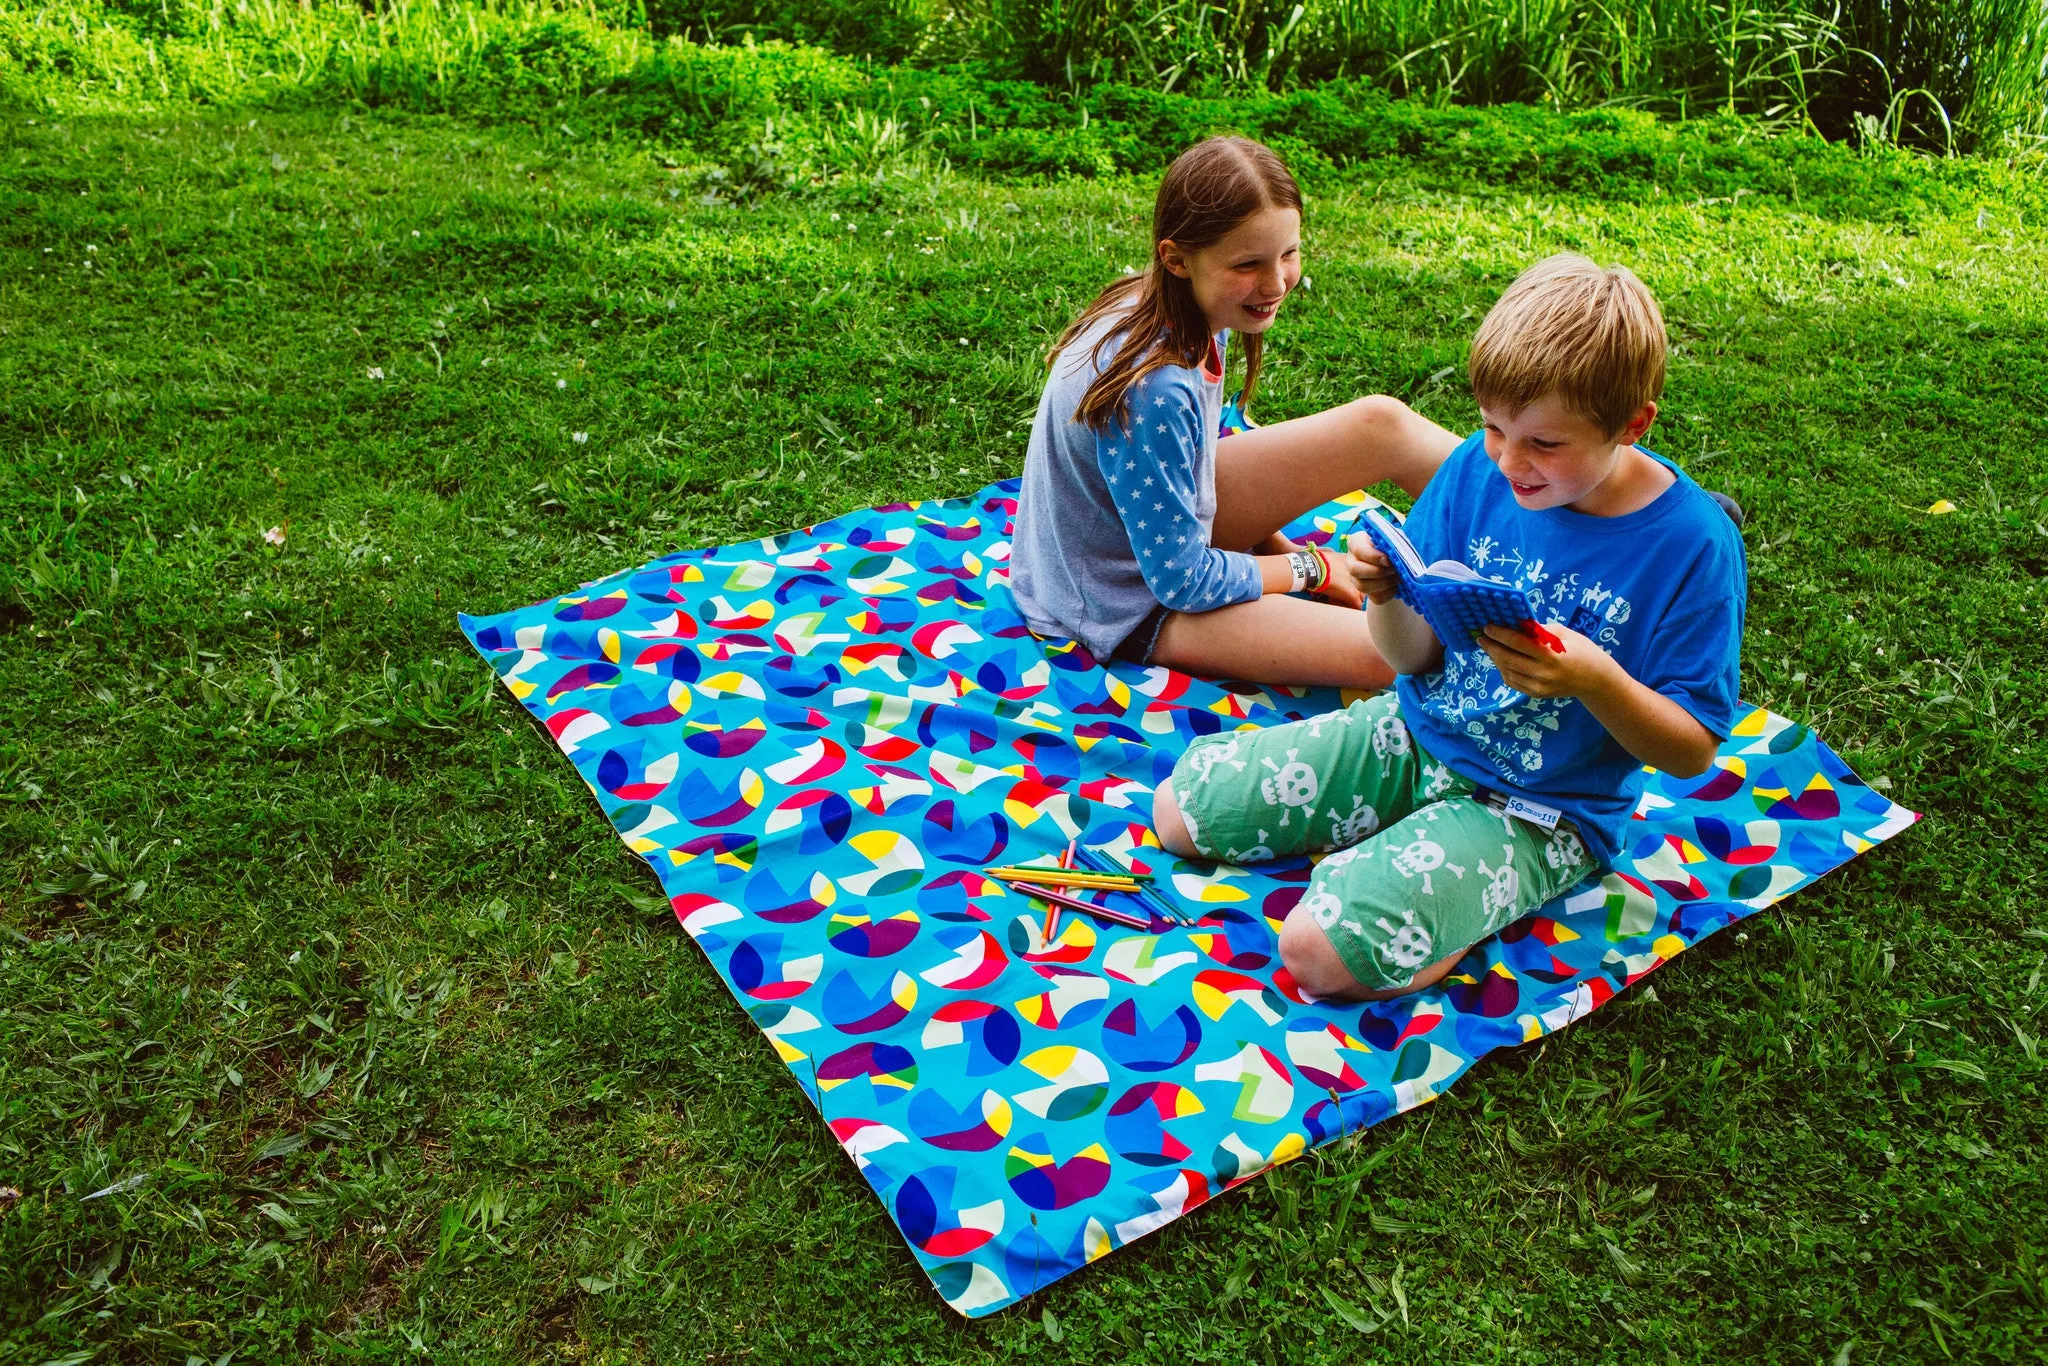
column 1661, row 589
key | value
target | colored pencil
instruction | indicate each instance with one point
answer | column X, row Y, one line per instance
column 1055, row 878
column 1142, row 892
column 1171, row 911
column 1052, row 910
column 1027, row 870
column 1075, row 903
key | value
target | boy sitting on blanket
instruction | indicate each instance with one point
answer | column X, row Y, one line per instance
column 1497, row 774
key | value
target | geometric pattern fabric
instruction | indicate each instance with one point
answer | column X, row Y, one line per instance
column 818, row 740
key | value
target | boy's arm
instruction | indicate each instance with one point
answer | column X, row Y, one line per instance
column 1643, row 721
column 1403, row 638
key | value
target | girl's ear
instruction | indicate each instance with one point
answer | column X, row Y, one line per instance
column 1173, row 258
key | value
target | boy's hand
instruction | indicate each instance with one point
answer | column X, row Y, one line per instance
column 1540, row 671
column 1372, row 571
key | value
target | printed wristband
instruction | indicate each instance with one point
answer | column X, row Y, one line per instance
column 1299, row 564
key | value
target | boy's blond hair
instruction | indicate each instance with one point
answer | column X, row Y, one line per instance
column 1592, row 336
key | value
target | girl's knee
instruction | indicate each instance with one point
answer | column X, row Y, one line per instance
column 1379, row 414
column 1168, row 824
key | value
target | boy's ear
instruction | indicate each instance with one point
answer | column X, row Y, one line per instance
column 1173, row 258
column 1637, row 426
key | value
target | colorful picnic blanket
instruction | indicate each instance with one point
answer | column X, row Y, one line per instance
column 818, row 740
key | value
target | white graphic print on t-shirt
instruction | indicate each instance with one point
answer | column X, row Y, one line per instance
column 1504, row 724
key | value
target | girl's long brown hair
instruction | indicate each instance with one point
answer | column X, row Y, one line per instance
column 1210, row 189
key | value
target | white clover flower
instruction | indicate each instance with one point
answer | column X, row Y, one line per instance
column 415, row 232
column 580, row 438
column 376, row 372
column 963, row 341
column 561, row 383
column 275, row 535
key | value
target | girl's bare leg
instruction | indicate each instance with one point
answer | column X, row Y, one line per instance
column 1276, row 639
column 1267, row 477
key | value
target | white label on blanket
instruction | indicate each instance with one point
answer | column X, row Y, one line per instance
column 1535, row 812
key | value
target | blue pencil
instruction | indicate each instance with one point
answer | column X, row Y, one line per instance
column 1144, row 891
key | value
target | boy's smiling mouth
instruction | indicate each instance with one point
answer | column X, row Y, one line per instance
column 1526, row 490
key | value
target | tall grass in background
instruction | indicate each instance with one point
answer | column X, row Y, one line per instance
column 1934, row 69
column 1940, row 74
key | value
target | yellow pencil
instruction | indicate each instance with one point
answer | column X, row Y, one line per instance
column 1053, row 877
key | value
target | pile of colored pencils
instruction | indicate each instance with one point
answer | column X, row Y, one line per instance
column 1058, row 888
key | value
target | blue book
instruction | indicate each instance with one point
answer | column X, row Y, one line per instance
column 1457, row 601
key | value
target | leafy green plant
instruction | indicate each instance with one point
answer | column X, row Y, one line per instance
column 1935, row 74
column 98, row 870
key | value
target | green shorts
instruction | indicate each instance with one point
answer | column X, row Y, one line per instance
column 1426, row 865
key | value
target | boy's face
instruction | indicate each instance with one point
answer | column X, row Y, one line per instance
column 1240, row 279
column 1551, row 456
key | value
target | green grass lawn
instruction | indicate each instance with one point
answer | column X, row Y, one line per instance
column 392, row 1055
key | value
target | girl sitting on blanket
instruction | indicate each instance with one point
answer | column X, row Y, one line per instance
column 1138, row 532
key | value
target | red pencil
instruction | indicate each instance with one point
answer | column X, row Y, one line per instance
column 1075, row 903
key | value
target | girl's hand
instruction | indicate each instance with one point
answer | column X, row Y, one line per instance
column 1276, row 544
column 1526, row 665
column 1371, row 571
column 1342, row 588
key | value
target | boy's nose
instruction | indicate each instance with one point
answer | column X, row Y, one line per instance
column 1516, row 465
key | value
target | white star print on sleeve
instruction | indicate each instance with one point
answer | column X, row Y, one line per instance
column 1156, row 499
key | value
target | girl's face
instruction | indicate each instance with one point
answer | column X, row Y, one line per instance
column 1240, row 279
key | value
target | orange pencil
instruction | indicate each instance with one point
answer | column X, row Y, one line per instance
column 1052, row 908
